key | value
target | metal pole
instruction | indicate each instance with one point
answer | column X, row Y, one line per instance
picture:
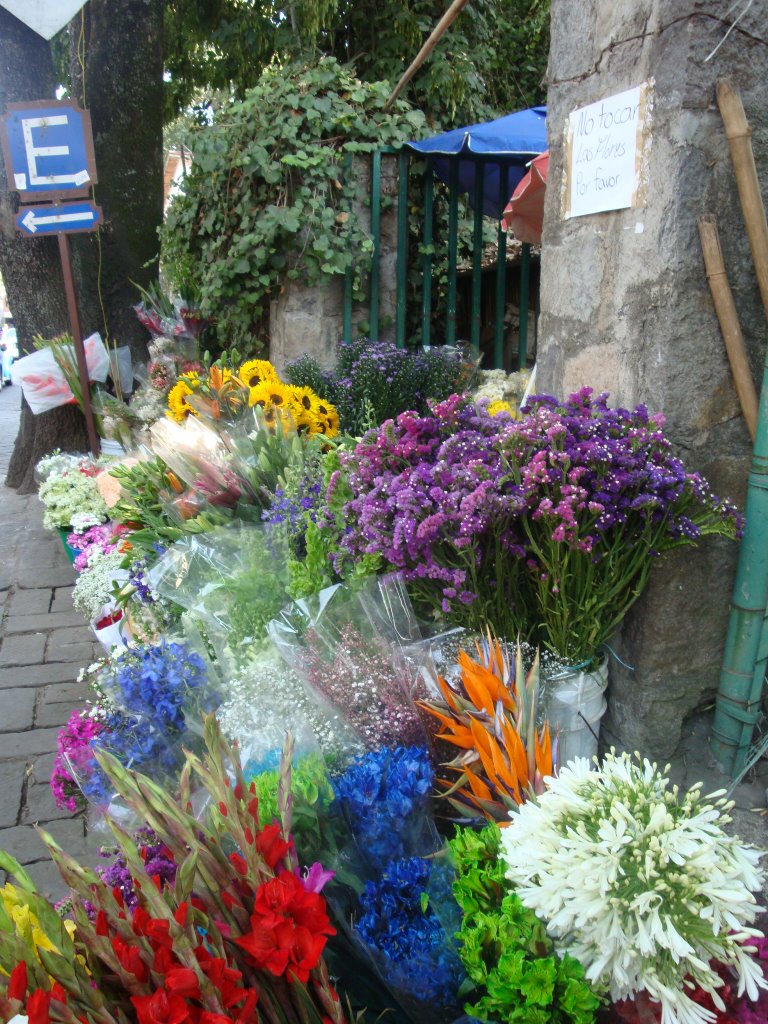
column 501, row 283
column 376, row 234
column 347, row 315
column 77, row 337
column 453, row 243
column 426, row 259
column 525, row 276
column 477, row 261
column 402, row 249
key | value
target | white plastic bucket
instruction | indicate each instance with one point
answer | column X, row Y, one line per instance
column 574, row 705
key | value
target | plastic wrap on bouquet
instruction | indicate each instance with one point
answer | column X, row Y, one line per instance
column 140, row 745
column 406, row 926
column 232, row 579
column 361, row 653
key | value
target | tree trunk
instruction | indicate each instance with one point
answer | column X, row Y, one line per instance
column 123, row 89
column 30, row 267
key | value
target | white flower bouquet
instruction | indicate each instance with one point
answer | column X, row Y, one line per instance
column 646, row 890
column 67, row 494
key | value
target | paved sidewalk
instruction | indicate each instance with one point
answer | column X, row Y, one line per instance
column 44, row 643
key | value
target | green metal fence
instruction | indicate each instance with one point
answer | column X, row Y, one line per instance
column 413, row 170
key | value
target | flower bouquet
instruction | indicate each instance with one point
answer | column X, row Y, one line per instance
column 238, row 937
column 646, row 891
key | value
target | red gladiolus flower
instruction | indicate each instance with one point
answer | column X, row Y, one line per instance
column 58, row 993
column 288, row 928
column 271, row 845
column 239, row 863
column 101, row 924
column 224, row 978
column 182, row 981
column 38, row 1007
column 130, row 958
column 213, row 1018
column 17, row 982
column 161, row 1008
column 164, row 960
column 181, row 914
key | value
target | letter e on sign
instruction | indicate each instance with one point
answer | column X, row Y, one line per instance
column 48, row 149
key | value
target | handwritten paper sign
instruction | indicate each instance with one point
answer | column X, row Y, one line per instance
column 603, row 153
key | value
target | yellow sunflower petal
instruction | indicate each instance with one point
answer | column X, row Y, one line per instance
column 257, row 371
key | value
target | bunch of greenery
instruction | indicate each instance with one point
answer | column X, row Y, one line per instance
column 375, row 381
column 271, row 190
column 513, row 971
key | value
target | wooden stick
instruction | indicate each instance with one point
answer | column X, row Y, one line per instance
column 729, row 320
column 437, row 34
column 739, row 136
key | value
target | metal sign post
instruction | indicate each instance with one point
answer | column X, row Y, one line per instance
column 49, row 159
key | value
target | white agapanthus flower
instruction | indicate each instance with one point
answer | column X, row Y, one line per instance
column 642, row 887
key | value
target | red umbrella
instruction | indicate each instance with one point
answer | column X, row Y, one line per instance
column 524, row 214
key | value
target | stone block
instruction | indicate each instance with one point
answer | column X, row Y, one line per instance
column 62, row 599
column 17, row 745
column 77, row 653
column 59, row 621
column 65, row 693
column 48, row 881
column 41, row 768
column 37, row 675
column 49, row 715
column 23, row 650
column 39, row 805
column 31, row 602
column 61, row 575
column 81, row 634
column 17, row 707
column 11, row 784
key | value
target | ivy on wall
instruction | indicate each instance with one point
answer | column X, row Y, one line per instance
column 267, row 197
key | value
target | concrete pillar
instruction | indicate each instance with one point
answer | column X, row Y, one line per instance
column 307, row 319
column 625, row 307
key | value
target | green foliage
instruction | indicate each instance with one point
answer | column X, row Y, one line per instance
column 269, row 196
column 491, row 61
column 509, row 958
column 374, row 382
column 312, row 796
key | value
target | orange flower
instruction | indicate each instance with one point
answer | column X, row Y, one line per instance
column 491, row 718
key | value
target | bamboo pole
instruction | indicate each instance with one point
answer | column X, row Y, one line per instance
column 729, row 321
column 739, row 136
column 739, row 694
column 435, row 36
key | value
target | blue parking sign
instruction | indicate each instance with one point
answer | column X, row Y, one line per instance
column 48, row 149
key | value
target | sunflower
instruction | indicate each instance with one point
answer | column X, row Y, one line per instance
column 306, row 417
column 496, row 407
column 178, row 407
column 326, row 418
column 257, row 371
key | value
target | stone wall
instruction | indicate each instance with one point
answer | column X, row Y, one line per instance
column 309, row 320
column 625, row 307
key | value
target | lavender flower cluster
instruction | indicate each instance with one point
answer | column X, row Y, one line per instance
column 374, row 381
column 434, row 496
column 590, row 472
column 493, row 520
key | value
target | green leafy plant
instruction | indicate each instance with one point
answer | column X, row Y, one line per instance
column 513, row 971
column 272, row 190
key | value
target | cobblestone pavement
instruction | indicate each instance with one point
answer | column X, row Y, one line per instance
column 43, row 644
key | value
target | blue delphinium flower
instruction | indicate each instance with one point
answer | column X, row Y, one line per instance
column 161, row 681
column 384, row 795
column 402, row 928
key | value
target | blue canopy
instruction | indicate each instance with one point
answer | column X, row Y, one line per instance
column 501, row 147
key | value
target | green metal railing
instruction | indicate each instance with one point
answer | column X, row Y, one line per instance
column 430, row 246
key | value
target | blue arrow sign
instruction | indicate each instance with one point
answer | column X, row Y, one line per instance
column 48, row 149
column 58, row 220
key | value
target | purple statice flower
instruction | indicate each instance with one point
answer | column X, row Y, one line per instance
column 434, row 498
column 73, row 753
column 158, row 863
